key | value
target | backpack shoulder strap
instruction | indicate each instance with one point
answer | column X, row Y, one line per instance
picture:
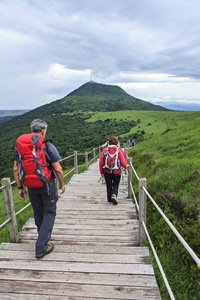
column 46, row 150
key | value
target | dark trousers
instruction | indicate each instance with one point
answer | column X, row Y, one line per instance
column 112, row 184
column 44, row 207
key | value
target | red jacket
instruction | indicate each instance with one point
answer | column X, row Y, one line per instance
column 121, row 157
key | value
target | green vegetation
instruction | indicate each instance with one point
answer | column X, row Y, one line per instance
column 6, row 115
column 68, row 133
column 21, row 218
column 67, row 125
column 152, row 122
column 167, row 154
column 100, row 97
column 15, row 112
column 171, row 164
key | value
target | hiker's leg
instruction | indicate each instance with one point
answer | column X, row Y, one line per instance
column 108, row 180
column 37, row 204
column 115, row 184
column 49, row 214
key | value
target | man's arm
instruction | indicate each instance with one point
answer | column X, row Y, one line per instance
column 22, row 191
column 59, row 172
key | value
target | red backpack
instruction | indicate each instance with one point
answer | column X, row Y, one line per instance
column 110, row 159
column 34, row 170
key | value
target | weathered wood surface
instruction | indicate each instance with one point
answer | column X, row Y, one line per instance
column 96, row 254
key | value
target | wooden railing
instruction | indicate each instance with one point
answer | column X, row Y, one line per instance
column 8, row 193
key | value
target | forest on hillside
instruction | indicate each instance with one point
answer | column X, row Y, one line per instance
column 66, row 119
column 67, row 132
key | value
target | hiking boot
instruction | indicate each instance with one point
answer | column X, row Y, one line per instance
column 50, row 247
column 114, row 199
column 109, row 202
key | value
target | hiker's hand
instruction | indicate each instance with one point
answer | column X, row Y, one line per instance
column 22, row 193
column 63, row 189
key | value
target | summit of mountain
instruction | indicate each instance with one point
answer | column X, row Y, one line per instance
column 93, row 89
column 102, row 97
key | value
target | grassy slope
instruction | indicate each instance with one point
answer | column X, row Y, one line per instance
column 160, row 120
column 171, row 164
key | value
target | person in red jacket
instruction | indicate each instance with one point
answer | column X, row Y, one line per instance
column 111, row 160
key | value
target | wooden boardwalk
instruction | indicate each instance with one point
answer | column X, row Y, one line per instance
column 96, row 254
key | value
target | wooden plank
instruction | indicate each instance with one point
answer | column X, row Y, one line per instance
column 80, row 290
column 113, row 268
column 71, row 227
column 78, row 257
column 76, row 277
column 96, row 217
column 93, row 221
column 88, row 231
column 85, row 238
column 85, row 207
column 95, row 214
column 77, row 249
column 120, row 222
column 89, row 243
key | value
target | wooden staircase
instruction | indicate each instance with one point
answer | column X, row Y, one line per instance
column 96, row 254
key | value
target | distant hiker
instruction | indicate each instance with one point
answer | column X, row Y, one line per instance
column 128, row 143
column 111, row 160
column 36, row 162
column 106, row 143
column 133, row 143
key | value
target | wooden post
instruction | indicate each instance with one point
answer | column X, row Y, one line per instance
column 75, row 162
column 142, row 210
column 94, row 154
column 10, row 210
column 99, row 150
column 129, row 179
column 126, row 154
column 86, row 160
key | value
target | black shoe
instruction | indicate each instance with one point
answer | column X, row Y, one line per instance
column 50, row 247
column 114, row 199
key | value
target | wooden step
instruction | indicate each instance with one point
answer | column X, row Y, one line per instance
column 96, row 253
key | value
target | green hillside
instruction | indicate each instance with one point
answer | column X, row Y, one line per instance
column 101, row 97
column 93, row 97
column 151, row 122
column 171, row 164
column 6, row 115
column 167, row 154
column 66, row 119
column 12, row 112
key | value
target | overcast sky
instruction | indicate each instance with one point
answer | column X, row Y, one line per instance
column 48, row 48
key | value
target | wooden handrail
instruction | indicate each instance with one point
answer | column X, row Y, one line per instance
column 143, row 231
column 8, row 197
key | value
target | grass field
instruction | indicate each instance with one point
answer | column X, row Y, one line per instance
column 171, row 164
column 152, row 122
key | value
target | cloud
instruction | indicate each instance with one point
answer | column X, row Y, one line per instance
column 48, row 48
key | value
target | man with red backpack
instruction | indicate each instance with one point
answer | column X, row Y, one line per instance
column 110, row 163
column 36, row 163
